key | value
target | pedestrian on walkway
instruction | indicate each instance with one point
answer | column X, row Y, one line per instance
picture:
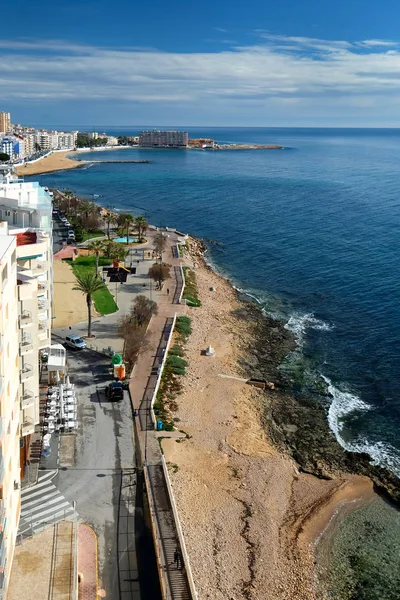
column 167, row 291
column 177, row 557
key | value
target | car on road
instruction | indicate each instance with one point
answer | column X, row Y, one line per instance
column 75, row 342
column 115, row 391
column 71, row 233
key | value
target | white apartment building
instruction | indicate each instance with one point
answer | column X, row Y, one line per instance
column 25, row 329
column 56, row 140
column 10, row 502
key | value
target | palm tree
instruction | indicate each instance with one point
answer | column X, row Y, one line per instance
column 88, row 283
column 86, row 208
column 129, row 220
column 141, row 225
column 109, row 219
column 96, row 247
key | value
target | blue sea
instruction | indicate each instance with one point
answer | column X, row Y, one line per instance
column 311, row 231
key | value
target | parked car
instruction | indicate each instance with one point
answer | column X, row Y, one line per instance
column 74, row 341
column 71, row 232
column 115, row 391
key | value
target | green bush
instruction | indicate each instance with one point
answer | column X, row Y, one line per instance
column 182, row 325
column 177, row 350
column 190, row 301
column 176, row 361
column 190, row 292
column 179, row 370
column 79, row 233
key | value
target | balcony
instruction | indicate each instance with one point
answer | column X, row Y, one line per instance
column 27, row 427
column 26, row 345
column 26, row 372
column 43, row 326
column 25, row 318
column 42, row 304
column 42, row 287
column 27, row 400
column 41, row 267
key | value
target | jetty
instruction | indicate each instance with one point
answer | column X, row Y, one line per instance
column 119, row 161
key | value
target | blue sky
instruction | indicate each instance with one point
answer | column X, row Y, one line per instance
column 243, row 63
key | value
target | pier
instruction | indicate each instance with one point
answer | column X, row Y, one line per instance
column 120, row 161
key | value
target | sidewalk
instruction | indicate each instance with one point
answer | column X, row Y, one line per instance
column 87, row 563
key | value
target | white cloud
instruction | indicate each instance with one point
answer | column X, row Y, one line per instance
column 376, row 43
column 291, row 72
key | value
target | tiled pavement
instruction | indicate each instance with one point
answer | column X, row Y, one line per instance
column 87, row 563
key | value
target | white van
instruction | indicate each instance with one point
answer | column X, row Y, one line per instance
column 74, row 341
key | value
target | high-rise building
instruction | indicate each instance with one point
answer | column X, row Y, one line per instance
column 10, row 481
column 163, row 139
column 25, row 329
column 5, row 122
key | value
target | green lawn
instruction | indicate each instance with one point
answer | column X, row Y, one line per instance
column 93, row 234
column 103, row 300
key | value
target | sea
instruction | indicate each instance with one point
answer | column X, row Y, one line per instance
column 310, row 232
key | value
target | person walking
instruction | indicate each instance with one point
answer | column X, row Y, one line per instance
column 167, row 291
column 176, row 557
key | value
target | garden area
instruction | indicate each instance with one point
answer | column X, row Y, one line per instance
column 190, row 292
column 103, row 300
column 174, row 369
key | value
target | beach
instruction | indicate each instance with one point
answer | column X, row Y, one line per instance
column 249, row 517
column 58, row 161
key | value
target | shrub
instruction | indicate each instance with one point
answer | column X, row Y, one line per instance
column 183, row 326
column 177, row 350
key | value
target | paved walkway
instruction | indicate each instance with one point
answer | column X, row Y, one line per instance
column 87, row 563
column 143, row 381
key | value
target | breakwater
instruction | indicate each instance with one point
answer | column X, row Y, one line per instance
column 120, row 161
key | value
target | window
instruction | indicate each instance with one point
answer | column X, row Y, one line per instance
column 4, row 274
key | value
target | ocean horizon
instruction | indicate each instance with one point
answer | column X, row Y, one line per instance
column 311, row 233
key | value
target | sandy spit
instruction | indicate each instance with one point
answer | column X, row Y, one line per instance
column 55, row 162
column 249, row 517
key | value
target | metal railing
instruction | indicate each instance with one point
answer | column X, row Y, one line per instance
column 27, row 400
column 25, row 318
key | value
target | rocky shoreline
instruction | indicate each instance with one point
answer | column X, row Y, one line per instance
column 296, row 421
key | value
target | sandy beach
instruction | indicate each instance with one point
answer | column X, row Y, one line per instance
column 250, row 518
column 69, row 306
column 55, row 162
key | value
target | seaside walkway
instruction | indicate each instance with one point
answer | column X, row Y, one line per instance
column 174, row 581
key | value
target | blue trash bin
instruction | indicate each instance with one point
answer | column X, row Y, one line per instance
column 159, row 425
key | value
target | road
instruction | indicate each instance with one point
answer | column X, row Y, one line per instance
column 105, row 484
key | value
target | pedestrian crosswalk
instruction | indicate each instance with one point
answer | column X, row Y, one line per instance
column 43, row 505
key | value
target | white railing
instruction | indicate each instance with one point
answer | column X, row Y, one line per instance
column 160, row 372
column 179, row 529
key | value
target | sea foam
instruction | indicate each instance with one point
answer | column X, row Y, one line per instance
column 345, row 403
column 299, row 323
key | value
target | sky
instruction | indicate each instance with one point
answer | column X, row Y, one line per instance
column 258, row 63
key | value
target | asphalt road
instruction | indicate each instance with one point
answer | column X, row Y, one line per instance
column 106, row 485
column 60, row 232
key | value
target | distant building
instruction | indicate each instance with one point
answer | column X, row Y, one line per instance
column 163, row 139
column 13, row 145
column 5, row 122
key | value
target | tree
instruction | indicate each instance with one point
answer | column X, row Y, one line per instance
column 38, row 147
column 87, row 208
column 118, row 252
column 134, row 341
column 159, row 272
column 109, row 219
column 88, row 283
column 128, row 223
column 97, row 248
column 4, row 157
column 143, row 309
column 141, row 225
column 160, row 243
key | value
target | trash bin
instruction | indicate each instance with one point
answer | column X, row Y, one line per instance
column 159, row 425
